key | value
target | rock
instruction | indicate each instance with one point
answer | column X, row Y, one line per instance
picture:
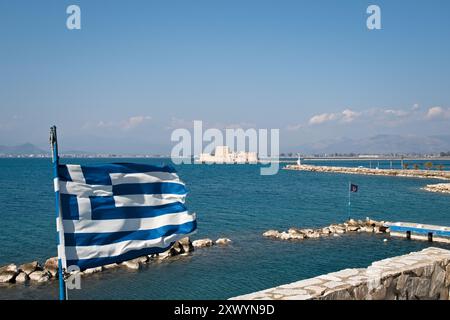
column 186, row 244
column 295, row 231
column 360, row 292
column 298, row 236
column 437, row 282
column 367, row 229
column 313, row 235
column 421, row 288
column 223, row 241
column 447, row 275
column 352, row 223
column 30, row 267
column 7, row 276
column 92, row 270
column 352, row 228
column 378, row 294
column 22, row 277
column 110, row 266
column 202, row 243
column 164, row 255
column 51, row 265
column 285, row 236
column 341, row 294
column 326, row 231
column 135, row 263
column 176, row 249
column 10, row 267
column 39, row 276
column 271, row 234
column 340, row 230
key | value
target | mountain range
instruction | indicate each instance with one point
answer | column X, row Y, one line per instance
column 26, row 148
column 379, row 144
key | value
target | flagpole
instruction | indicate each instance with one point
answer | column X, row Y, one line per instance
column 349, row 195
column 55, row 162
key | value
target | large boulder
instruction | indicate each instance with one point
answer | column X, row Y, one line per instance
column 164, row 255
column 201, row 243
column 51, row 266
column 176, row 249
column 92, row 270
column 313, row 235
column 7, row 276
column 186, row 244
column 22, row 277
column 30, row 267
column 8, row 273
column 271, row 234
column 10, row 267
column 223, row 241
column 135, row 263
column 110, row 266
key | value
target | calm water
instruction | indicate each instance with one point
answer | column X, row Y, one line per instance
column 232, row 201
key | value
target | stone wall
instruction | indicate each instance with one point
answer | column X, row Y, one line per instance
column 418, row 275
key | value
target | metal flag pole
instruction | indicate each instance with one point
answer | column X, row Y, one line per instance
column 60, row 239
column 349, row 195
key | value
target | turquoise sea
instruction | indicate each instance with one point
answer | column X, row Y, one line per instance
column 232, row 201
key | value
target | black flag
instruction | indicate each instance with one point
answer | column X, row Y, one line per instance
column 353, row 187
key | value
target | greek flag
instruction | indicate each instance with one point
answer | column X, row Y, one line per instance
column 116, row 212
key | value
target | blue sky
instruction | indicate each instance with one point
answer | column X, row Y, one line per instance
column 138, row 69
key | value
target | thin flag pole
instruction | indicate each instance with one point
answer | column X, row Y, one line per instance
column 60, row 239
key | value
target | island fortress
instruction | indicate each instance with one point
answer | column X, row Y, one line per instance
column 223, row 154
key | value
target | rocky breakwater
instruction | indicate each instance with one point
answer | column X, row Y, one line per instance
column 34, row 272
column 440, row 187
column 430, row 174
column 423, row 275
column 350, row 226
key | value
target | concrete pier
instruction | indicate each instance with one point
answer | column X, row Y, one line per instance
column 415, row 276
column 430, row 174
column 416, row 231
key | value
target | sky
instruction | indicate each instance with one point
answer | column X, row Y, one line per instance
column 137, row 70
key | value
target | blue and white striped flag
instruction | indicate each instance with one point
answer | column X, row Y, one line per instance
column 116, row 212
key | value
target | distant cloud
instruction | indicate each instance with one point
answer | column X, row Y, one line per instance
column 381, row 116
column 322, row 118
column 349, row 115
column 294, row 127
column 435, row 113
column 133, row 122
column 345, row 116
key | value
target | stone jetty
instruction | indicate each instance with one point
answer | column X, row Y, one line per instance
column 439, row 187
column 430, row 174
column 422, row 275
column 35, row 273
column 367, row 225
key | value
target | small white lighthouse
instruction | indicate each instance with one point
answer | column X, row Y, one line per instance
column 299, row 162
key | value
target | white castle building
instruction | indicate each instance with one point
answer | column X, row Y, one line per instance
column 223, row 154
